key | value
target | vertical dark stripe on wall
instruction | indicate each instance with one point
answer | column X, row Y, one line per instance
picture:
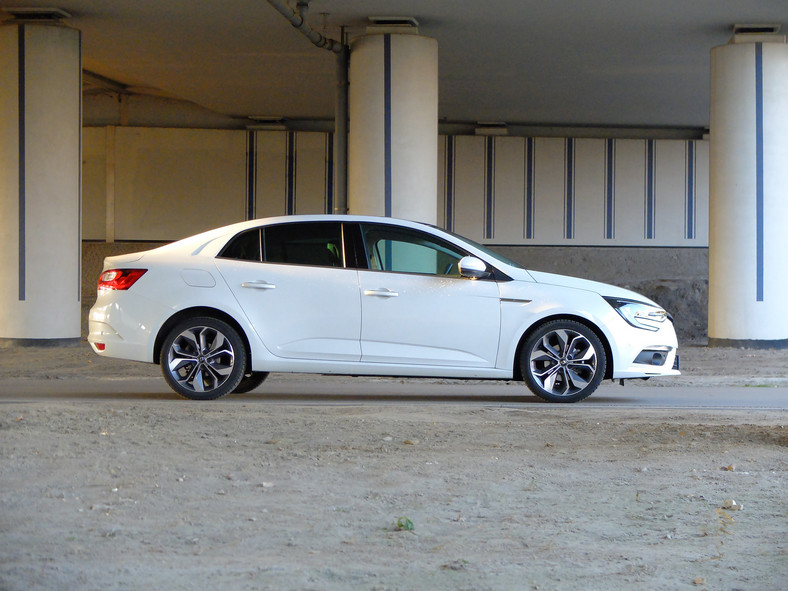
column 489, row 187
column 291, row 173
column 690, row 200
column 449, row 184
column 528, row 230
column 651, row 161
column 22, row 149
column 610, row 189
column 759, row 213
column 251, row 174
column 79, row 175
column 569, row 188
column 387, row 122
column 329, row 201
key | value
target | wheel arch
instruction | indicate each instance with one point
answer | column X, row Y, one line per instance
column 518, row 374
column 193, row 313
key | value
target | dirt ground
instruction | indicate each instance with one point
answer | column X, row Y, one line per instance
column 160, row 493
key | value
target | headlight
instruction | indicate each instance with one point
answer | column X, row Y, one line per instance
column 639, row 314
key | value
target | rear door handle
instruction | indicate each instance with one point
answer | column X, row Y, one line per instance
column 258, row 285
column 381, row 293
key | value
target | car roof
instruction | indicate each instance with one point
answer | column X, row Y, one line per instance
column 210, row 242
column 325, row 217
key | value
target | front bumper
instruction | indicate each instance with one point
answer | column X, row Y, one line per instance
column 642, row 354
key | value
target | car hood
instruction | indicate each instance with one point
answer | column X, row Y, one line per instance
column 603, row 289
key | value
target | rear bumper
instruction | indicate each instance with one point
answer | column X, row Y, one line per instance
column 125, row 327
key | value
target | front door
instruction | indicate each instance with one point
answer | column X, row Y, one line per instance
column 416, row 308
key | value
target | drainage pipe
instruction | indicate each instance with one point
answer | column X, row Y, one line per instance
column 297, row 18
column 341, row 131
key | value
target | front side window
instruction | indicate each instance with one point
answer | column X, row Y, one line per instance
column 402, row 250
column 309, row 243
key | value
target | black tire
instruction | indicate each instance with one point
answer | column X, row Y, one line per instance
column 203, row 358
column 563, row 361
column 250, row 382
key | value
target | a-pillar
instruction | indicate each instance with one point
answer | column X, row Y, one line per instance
column 40, row 134
column 748, row 217
column 393, row 139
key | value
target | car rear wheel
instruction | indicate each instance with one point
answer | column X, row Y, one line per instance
column 250, row 382
column 203, row 358
column 563, row 361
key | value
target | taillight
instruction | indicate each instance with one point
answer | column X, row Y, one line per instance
column 119, row 278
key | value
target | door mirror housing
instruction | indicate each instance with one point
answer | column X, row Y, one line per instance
column 473, row 268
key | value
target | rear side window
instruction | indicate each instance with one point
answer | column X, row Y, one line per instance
column 310, row 243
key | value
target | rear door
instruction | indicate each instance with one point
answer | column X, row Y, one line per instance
column 291, row 281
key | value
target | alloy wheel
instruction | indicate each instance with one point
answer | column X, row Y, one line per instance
column 203, row 359
column 563, row 362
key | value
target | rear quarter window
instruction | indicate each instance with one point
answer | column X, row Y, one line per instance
column 244, row 247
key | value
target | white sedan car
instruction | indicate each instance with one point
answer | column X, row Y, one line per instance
column 375, row 296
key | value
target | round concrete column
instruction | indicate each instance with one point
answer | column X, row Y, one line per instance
column 40, row 134
column 393, row 140
column 748, row 217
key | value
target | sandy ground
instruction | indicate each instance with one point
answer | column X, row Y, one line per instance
column 161, row 493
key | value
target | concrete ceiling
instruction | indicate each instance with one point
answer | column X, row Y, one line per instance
column 538, row 62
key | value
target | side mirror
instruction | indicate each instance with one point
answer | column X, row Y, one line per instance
column 473, row 268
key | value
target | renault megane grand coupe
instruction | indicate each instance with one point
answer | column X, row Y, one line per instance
column 360, row 295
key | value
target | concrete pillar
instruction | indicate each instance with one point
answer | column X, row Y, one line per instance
column 748, row 184
column 40, row 171
column 393, row 140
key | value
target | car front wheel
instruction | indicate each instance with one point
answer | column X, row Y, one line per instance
column 203, row 358
column 563, row 361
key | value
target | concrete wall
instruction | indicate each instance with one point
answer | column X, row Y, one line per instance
column 575, row 191
column 167, row 183
column 161, row 184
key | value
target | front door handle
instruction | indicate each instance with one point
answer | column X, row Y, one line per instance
column 258, row 285
column 381, row 293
